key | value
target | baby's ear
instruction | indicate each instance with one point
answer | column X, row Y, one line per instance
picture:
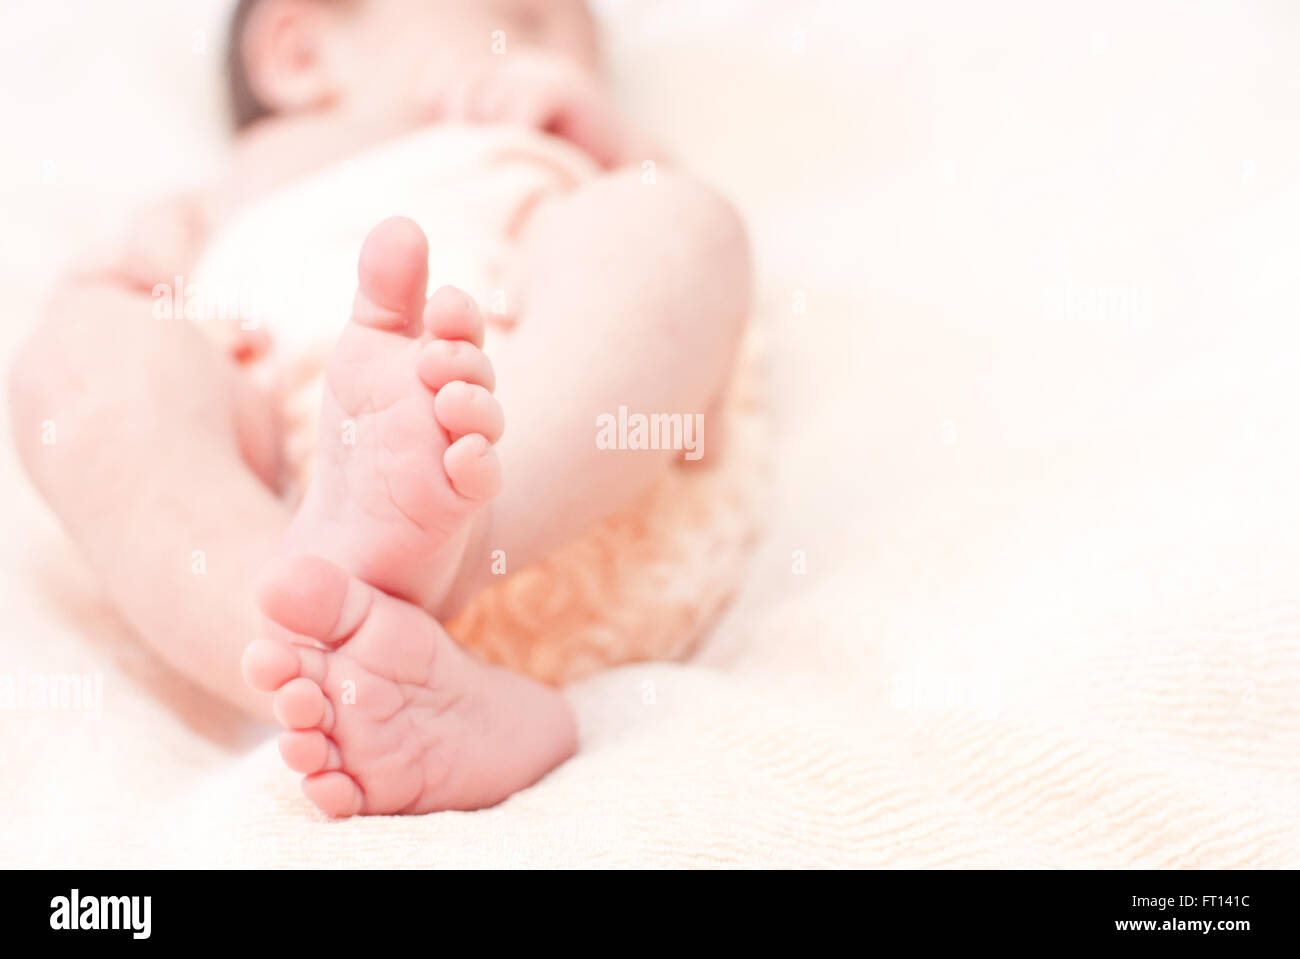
column 285, row 55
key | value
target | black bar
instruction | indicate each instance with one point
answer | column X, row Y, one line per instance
column 336, row 908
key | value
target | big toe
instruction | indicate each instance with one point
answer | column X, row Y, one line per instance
column 312, row 597
column 393, row 274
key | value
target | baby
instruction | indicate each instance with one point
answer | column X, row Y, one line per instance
column 631, row 291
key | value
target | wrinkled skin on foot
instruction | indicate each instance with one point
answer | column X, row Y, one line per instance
column 382, row 712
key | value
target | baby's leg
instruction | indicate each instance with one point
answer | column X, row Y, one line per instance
column 634, row 294
column 128, row 426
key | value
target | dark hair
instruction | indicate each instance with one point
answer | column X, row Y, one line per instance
column 244, row 105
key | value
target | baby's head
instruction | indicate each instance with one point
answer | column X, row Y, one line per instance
column 292, row 56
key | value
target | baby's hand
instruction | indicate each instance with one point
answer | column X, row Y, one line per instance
column 545, row 92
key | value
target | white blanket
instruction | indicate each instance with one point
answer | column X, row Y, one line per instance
column 1028, row 591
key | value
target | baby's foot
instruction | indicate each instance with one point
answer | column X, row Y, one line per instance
column 387, row 715
column 405, row 458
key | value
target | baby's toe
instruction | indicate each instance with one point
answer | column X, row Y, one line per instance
column 268, row 665
column 473, row 467
column 464, row 408
column 393, row 272
column 300, row 704
column 334, row 793
column 444, row 361
column 308, row 751
column 312, row 597
column 452, row 314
